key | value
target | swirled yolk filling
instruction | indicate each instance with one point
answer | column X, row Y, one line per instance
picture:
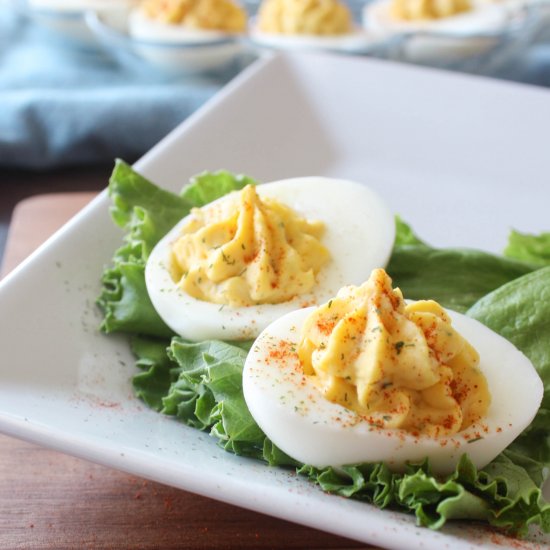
column 221, row 15
column 416, row 10
column 397, row 365
column 312, row 17
column 246, row 250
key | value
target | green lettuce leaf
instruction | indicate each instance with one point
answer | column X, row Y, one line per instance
column 529, row 248
column 404, row 233
column 145, row 212
column 520, row 311
column 158, row 371
column 201, row 385
column 126, row 303
column 213, row 371
column 518, row 500
column 456, row 278
column 208, row 186
column 503, row 493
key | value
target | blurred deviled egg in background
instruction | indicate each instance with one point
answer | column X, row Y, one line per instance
column 189, row 35
column 307, row 24
column 441, row 29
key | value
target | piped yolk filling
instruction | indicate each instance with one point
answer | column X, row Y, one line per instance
column 417, row 10
column 245, row 251
column 396, row 365
column 221, row 15
column 304, row 17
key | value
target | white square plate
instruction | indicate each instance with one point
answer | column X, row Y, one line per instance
column 462, row 159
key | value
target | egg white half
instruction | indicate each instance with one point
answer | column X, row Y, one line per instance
column 359, row 234
column 309, row 428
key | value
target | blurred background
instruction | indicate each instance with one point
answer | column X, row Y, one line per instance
column 83, row 82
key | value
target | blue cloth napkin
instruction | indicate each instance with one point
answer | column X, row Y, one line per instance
column 61, row 105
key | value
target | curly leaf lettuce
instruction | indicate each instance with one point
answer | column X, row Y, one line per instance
column 206, row 187
column 502, row 494
column 157, row 371
column 145, row 212
column 200, row 384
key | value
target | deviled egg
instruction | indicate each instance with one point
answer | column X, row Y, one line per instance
column 368, row 377
column 188, row 35
column 231, row 268
column 448, row 30
column 307, row 24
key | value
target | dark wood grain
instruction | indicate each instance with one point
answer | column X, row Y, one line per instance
column 52, row 501
column 35, row 219
column 16, row 185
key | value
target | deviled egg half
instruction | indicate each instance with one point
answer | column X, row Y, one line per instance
column 307, row 24
column 437, row 29
column 188, row 34
column 369, row 377
column 231, row 268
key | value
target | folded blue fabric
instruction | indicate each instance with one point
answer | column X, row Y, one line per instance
column 61, row 105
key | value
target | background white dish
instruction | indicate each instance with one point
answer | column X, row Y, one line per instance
column 460, row 158
column 65, row 18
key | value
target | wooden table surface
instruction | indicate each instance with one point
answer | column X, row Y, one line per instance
column 54, row 501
